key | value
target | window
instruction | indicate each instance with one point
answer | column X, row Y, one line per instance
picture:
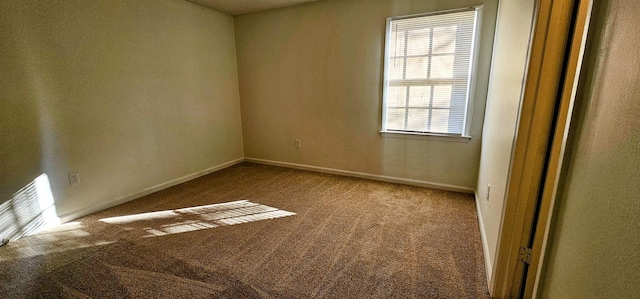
column 428, row 72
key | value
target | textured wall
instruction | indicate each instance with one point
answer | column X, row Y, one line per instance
column 314, row 72
column 236, row 7
column 594, row 249
column 130, row 94
column 503, row 104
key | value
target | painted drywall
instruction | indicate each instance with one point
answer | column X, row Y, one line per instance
column 512, row 39
column 237, row 7
column 313, row 72
column 129, row 94
column 594, row 245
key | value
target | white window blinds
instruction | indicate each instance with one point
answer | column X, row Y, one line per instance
column 428, row 72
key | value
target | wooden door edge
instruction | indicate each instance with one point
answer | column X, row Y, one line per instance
column 559, row 142
column 544, row 75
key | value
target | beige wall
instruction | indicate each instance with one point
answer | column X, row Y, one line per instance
column 503, row 104
column 313, row 72
column 130, row 94
column 594, row 247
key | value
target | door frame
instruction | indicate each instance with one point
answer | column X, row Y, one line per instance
column 555, row 58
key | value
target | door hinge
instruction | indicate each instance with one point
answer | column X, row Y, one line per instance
column 524, row 255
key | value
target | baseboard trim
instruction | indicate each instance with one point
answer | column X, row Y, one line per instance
column 363, row 175
column 485, row 245
column 92, row 209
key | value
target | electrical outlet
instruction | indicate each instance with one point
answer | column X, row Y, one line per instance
column 74, row 179
column 297, row 143
column 488, row 191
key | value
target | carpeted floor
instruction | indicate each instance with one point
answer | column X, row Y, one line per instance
column 255, row 231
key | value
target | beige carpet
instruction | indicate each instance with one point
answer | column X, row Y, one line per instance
column 255, row 231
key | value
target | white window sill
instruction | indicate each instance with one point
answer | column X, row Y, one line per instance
column 427, row 136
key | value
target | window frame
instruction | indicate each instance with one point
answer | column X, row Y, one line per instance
column 466, row 127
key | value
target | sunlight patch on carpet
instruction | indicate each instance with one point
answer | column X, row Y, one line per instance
column 168, row 222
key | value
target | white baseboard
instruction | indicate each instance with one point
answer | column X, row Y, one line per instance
column 89, row 210
column 488, row 264
column 362, row 175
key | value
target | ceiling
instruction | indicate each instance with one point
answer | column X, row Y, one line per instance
column 238, row 7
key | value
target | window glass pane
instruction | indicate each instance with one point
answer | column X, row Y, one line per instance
column 397, row 96
column 418, row 120
column 395, row 119
column 417, row 68
column 442, row 96
column 419, row 96
column 397, row 44
column 442, row 66
column 440, row 121
column 395, row 69
column 444, row 39
column 430, row 59
column 418, row 42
